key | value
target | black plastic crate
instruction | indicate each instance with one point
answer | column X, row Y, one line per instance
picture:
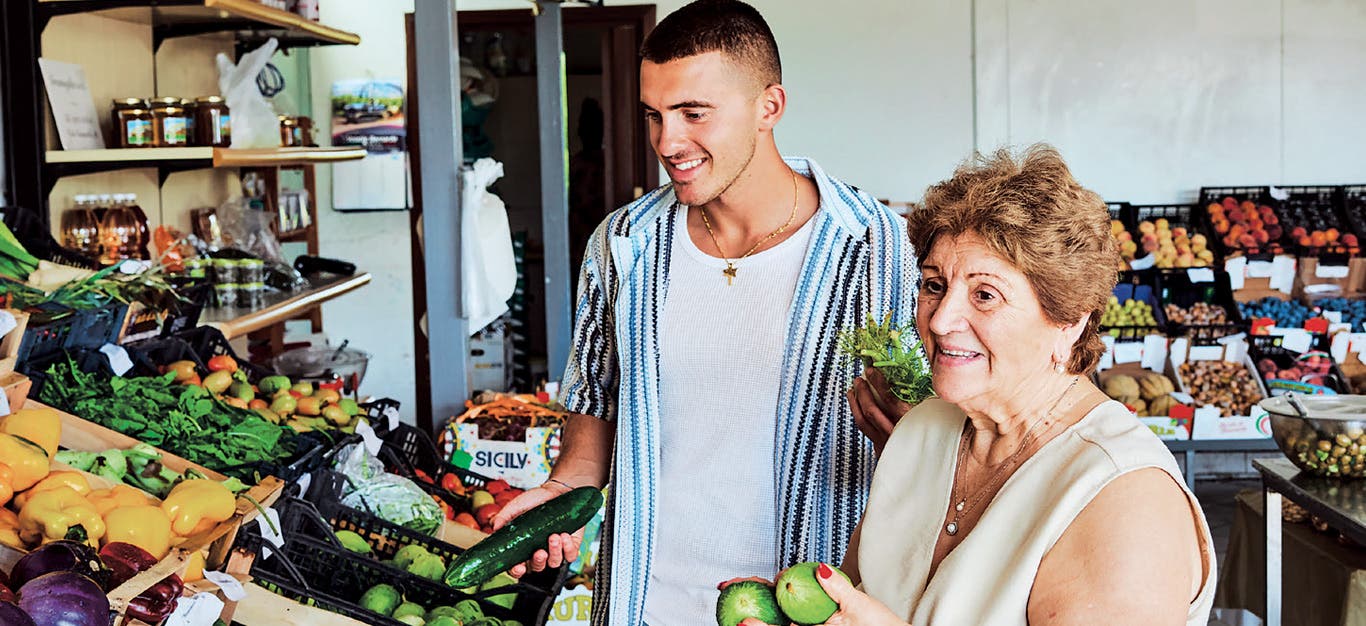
column 1120, row 211
column 1177, row 289
column 1304, row 203
column 53, row 327
column 1269, row 347
column 313, row 567
column 1259, row 195
column 96, row 327
column 1141, row 285
column 35, row 369
column 1352, row 202
column 310, row 454
column 186, row 316
column 150, row 355
column 536, row 591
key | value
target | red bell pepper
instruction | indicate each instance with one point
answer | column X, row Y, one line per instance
column 124, row 561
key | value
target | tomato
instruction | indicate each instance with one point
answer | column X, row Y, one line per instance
column 451, row 482
column 222, row 363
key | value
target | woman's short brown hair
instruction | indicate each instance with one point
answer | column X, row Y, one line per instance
column 1030, row 211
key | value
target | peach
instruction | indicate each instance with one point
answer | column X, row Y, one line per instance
column 1246, row 240
column 1146, row 227
column 1332, row 235
column 1298, row 232
column 1247, row 206
column 1179, row 232
column 1229, row 202
column 1261, row 236
column 1124, row 236
column 1349, row 239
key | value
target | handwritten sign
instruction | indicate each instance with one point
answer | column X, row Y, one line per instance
column 72, row 107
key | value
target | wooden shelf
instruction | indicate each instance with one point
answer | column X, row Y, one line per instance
column 293, row 236
column 68, row 162
column 250, row 20
column 236, row 321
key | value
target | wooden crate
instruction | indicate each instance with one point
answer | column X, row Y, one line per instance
column 16, row 388
column 9, row 345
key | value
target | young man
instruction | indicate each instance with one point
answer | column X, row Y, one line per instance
column 705, row 378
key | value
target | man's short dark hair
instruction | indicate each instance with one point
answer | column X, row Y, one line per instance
column 728, row 26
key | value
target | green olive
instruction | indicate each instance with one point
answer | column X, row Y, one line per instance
column 1338, row 451
column 1325, row 445
column 1342, row 440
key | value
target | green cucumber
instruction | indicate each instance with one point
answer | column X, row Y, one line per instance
column 522, row 537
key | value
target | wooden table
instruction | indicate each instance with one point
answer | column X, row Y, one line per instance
column 262, row 608
column 279, row 307
column 1339, row 503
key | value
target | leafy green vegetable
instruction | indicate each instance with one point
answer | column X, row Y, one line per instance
column 880, row 345
column 183, row 420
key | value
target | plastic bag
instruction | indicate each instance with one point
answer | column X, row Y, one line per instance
column 254, row 123
column 387, row 496
column 490, row 269
column 249, row 230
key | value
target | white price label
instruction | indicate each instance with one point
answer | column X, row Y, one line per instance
column 1330, row 271
column 271, row 530
column 1128, row 352
column 368, row 436
column 1283, row 274
column 201, row 609
column 1206, row 353
column 231, row 587
column 1207, row 412
column 1182, row 397
column 1200, row 275
column 1279, row 194
column 1297, row 341
column 1144, row 263
column 1259, row 269
column 1154, row 352
column 4, row 405
column 391, row 417
column 1107, row 359
column 119, row 361
column 1237, row 271
column 1333, row 316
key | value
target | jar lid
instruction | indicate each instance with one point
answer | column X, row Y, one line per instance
column 210, row 100
column 186, row 102
column 165, row 101
column 129, row 102
column 1318, row 407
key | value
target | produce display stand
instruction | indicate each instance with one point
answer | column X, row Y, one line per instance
column 265, row 608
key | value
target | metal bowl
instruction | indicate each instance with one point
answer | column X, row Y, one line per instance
column 324, row 364
column 1323, row 435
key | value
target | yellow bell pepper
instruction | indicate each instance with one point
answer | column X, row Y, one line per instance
column 194, row 569
column 41, row 426
column 197, row 505
column 144, row 526
column 9, row 529
column 56, row 480
column 106, row 500
column 28, row 460
column 6, row 484
column 60, row 514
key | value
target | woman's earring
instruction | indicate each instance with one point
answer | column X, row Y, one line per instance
column 1058, row 367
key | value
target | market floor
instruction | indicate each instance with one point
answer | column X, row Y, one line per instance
column 1217, row 499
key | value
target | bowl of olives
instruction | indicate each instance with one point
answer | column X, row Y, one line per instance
column 1322, row 435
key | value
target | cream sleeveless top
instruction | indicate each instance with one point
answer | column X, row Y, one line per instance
column 987, row 578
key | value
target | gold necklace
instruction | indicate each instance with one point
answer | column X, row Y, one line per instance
column 964, row 506
column 731, row 270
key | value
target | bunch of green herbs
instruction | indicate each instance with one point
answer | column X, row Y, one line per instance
column 881, row 345
column 184, row 420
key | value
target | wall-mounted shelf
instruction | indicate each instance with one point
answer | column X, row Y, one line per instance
column 251, row 21
column 87, row 161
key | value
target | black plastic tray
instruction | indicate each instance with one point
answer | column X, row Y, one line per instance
column 1177, row 288
column 1257, row 194
column 1326, row 198
column 1139, row 285
column 1269, row 347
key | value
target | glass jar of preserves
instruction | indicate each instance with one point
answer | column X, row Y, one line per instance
column 170, row 128
column 132, row 123
column 190, row 107
column 212, row 123
column 288, row 135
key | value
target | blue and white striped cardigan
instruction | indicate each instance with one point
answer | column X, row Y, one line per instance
column 860, row 262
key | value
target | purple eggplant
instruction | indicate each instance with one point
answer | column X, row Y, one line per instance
column 12, row 615
column 64, row 599
column 60, row 556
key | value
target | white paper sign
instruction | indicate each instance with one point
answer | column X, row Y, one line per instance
column 4, row 405
column 1182, row 397
column 1283, row 274
column 72, row 107
column 1297, row 341
column 119, row 360
column 1279, row 194
column 1107, row 358
column 1259, row 269
column 1128, row 352
column 1207, row 353
column 1144, row 263
column 1200, row 275
column 1330, row 271
column 391, row 417
column 201, row 609
column 1154, row 352
column 271, row 530
column 1333, row 316
column 1237, row 271
column 232, row 589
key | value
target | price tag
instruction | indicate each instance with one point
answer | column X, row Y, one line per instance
column 271, row 530
column 1128, row 352
column 304, row 481
column 1330, row 271
column 1154, row 352
column 1207, row 353
column 119, row 360
column 1279, row 194
column 232, row 589
column 1333, row 316
column 1259, row 269
column 1144, row 263
column 1283, row 274
column 1107, row 358
column 1200, row 275
column 4, row 405
column 1182, row 397
column 1334, row 329
column 391, row 417
column 1297, row 341
column 1316, row 325
column 1237, row 271
column 201, row 609
column 369, row 438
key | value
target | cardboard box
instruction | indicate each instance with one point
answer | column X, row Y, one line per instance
column 523, row 464
column 1316, row 277
column 490, row 361
column 1257, row 279
column 1208, row 421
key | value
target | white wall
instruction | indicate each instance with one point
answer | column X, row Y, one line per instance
column 377, row 318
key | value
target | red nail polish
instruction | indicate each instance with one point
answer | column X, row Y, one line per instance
column 824, row 571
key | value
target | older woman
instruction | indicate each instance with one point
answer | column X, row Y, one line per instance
column 1021, row 494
